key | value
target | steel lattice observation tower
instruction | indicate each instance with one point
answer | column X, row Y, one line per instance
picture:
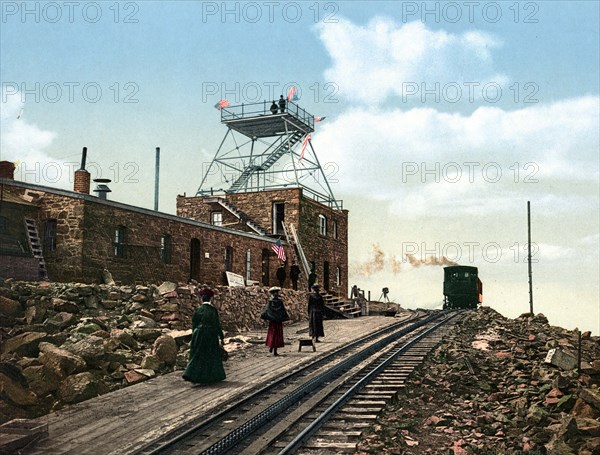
column 264, row 150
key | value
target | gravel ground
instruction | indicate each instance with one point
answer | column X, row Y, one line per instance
column 487, row 389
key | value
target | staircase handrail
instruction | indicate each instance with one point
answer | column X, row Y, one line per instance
column 300, row 250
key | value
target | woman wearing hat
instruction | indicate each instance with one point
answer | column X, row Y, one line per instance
column 206, row 294
column 316, row 306
column 205, row 365
column 276, row 314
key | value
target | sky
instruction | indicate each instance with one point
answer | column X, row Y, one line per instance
column 443, row 119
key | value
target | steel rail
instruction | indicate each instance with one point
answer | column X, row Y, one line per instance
column 240, row 433
column 317, row 423
column 153, row 449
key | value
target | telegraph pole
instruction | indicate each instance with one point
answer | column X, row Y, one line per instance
column 529, row 257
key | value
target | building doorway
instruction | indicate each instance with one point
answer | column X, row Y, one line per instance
column 326, row 275
column 195, row 259
column 265, row 267
column 278, row 217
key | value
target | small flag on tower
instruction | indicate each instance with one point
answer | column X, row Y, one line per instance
column 319, row 119
column 221, row 104
column 292, row 94
column 278, row 248
column 305, row 142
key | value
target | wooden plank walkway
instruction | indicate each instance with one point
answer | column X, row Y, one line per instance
column 121, row 421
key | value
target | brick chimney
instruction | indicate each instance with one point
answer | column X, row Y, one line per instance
column 7, row 170
column 82, row 181
column 82, row 177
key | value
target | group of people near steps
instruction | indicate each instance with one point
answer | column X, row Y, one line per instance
column 205, row 365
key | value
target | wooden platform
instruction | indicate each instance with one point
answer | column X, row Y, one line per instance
column 121, row 421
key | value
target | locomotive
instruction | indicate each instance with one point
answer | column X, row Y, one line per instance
column 462, row 287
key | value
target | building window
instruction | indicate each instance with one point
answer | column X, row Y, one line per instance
column 50, row 235
column 248, row 265
column 120, row 241
column 228, row 258
column 217, row 218
column 338, row 276
column 3, row 224
column 335, row 230
column 322, row 225
column 278, row 217
column 166, row 246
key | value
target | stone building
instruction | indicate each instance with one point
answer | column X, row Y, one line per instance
column 322, row 230
column 79, row 235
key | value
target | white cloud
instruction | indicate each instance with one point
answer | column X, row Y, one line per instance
column 424, row 161
column 27, row 145
column 382, row 58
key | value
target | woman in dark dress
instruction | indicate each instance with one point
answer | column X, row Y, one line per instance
column 316, row 306
column 205, row 365
column 276, row 314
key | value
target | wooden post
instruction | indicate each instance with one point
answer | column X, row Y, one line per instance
column 529, row 258
column 578, row 351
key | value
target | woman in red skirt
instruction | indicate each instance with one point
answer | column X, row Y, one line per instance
column 276, row 314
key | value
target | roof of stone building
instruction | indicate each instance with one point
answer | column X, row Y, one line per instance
column 8, row 197
column 121, row 205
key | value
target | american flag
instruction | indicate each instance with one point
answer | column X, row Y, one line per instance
column 319, row 119
column 278, row 248
column 221, row 104
column 292, row 94
column 305, row 142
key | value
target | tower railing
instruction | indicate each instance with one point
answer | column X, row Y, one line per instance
column 245, row 111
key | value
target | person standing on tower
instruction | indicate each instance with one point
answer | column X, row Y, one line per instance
column 281, row 104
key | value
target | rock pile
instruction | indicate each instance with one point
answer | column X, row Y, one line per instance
column 498, row 386
column 65, row 343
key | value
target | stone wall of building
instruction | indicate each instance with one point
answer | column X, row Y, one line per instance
column 142, row 259
column 86, row 230
column 304, row 214
column 331, row 248
column 13, row 236
column 19, row 267
column 258, row 206
column 64, row 262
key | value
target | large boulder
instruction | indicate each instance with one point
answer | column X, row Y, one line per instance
column 61, row 320
column 60, row 360
column 591, row 396
column 10, row 307
column 80, row 387
column 90, row 349
column 13, row 386
column 41, row 379
column 165, row 349
column 64, row 306
column 146, row 334
column 124, row 337
column 25, row 344
column 166, row 287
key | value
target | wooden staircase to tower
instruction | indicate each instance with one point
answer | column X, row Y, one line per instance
column 336, row 307
column 36, row 247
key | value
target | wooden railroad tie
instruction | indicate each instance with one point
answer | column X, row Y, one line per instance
column 306, row 342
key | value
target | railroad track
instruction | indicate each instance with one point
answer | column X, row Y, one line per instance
column 320, row 408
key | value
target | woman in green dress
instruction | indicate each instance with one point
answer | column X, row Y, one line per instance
column 205, row 365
